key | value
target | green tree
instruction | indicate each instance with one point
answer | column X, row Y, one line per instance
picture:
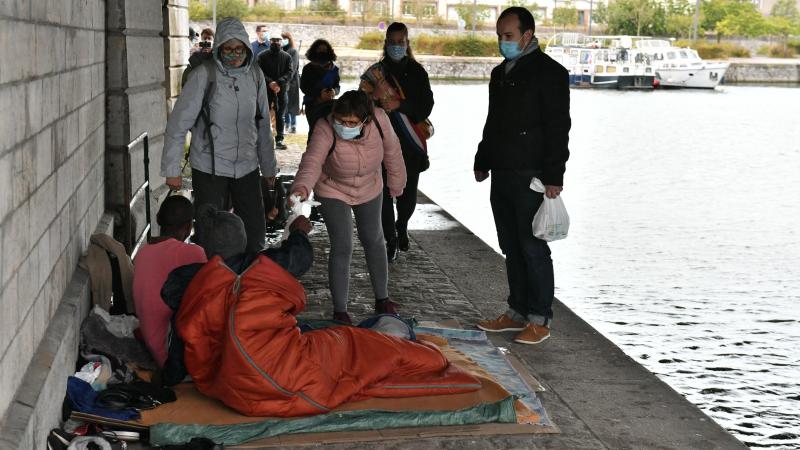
column 787, row 9
column 713, row 12
column 532, row 7
column 566, row 15
column 600, row 13
column 326, row 8
column 633, row 16
column 783, row 27
column 748, row 22
column 679, row 26
column 199, row 11
column 472, row 14
column 231, row 8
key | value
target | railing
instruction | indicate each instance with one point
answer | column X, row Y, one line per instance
column 131, row 241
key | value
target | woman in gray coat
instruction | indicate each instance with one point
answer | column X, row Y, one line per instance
column 224, row 104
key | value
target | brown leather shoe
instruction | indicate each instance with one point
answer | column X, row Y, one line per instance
column 533, row 334
column 502, row 323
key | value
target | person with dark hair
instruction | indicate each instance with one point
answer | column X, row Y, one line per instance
column 155, row 260
column 262, row 40
column 526, row 136
column 400, row 85
column 200, row 51
column 342, row 165
column 293, row 89
column 319, row 82
column 278, row 71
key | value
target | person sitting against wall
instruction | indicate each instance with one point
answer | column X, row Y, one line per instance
column 221, row 233
column 243, row 345
column 154, row 262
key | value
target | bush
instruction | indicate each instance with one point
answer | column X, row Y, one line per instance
column 777, row 51
column 199, row 11
column 327, row 8
column 266, row 11
column 437, row 45
column 231, row 8
column 723, row 50
column 794, row 44
column 371, row 41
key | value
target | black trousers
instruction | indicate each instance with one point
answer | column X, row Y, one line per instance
column 280, row 100
column 243, row 194
column 529, row 267
column 406, row 204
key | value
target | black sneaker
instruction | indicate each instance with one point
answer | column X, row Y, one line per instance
column 402, row 239
column 391, row 250
column 280, row 145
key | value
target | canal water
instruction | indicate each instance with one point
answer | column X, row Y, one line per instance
column 684, row 246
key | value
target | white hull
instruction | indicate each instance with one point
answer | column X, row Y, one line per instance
column 707, row 76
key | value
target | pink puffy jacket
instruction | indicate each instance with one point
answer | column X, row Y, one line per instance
column 352, row 172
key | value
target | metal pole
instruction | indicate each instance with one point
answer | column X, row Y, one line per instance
column 696, row 19
column 214, row 14
column 591, row 13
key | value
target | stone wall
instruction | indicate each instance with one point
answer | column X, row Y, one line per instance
column 52, row 137
column 763, row 72
column 176, row 46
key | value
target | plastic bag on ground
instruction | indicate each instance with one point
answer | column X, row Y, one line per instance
column 551, row 221
column 298, row 209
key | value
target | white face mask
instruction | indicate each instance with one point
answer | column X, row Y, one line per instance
column 347, row 133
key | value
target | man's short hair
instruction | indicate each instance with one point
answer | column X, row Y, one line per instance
column 207, row 32
column 526, row 21
column 259, row 27
column 175, row 212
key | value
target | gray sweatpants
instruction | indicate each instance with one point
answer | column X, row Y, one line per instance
column 339, row 222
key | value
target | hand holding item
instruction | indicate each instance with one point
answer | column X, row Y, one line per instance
column 174, row 183
column 327, row 95
column 301, row 194
column 552, row 191
column 274, row 86
column 301, row 223
column 395, row 192
column 390, row 104
column 481, row 175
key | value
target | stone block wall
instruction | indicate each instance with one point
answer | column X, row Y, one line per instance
column 52, row 140
column 176, row 47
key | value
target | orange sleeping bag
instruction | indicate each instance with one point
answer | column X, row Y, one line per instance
column 244, row 348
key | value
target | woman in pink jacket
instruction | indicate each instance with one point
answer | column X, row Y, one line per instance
column 342, row 165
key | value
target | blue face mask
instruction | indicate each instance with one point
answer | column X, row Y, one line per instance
column 284, row 42
column 265, row 36
column 396, row 52
column 510, row 49
column 346, row 133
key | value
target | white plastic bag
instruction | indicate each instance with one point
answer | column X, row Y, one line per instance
column 298, row 209
column 551, row 221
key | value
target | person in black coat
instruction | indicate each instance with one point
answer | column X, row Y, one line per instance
column 277, row 67
column 319, row 82
column 293, row 89
column 526, row 135
column 405, row 75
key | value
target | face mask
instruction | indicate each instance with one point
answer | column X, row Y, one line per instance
column 265, row 36
column 510, row 49
column 231, row 59
column 396, row 52
column 284, row 43
column 346, row 133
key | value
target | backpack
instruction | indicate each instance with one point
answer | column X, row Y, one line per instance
column 205, row 112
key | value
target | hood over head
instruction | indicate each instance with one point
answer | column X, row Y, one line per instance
column 228, row 29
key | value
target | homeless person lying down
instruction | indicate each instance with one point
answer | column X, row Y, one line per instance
column 243, row 345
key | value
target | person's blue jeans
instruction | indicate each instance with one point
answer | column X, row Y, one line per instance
column 290, row 120
column 529, row 267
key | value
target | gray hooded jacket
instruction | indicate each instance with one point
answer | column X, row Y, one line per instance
column 240, row 144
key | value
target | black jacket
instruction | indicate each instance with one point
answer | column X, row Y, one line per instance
column 527, row 127
column 413, row 79
column 277, row 66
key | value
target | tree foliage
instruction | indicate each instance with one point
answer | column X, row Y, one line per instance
column 472, row 14
column 566, row 15
column 632, row 16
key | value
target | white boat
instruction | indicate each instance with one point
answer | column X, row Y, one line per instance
column 678, row 66
column 601, row 61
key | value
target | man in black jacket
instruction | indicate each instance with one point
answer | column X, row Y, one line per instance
column 277, row 67
column 525, row 136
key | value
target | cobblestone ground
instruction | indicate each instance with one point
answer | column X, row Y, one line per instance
column 415, row 281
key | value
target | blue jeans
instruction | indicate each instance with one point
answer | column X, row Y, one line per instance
column 529, row 267
column 290, row 120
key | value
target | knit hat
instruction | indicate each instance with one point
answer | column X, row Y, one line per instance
column 220, row 232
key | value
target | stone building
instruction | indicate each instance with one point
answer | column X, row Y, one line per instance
column 79, row 80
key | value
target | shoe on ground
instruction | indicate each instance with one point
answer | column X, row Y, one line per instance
column 391, row 250
column 402, row 239
column 502, row 323
column 342, row 317
column 280, row 145
column 532, row 334
column 386, row 307
column 293, row 130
